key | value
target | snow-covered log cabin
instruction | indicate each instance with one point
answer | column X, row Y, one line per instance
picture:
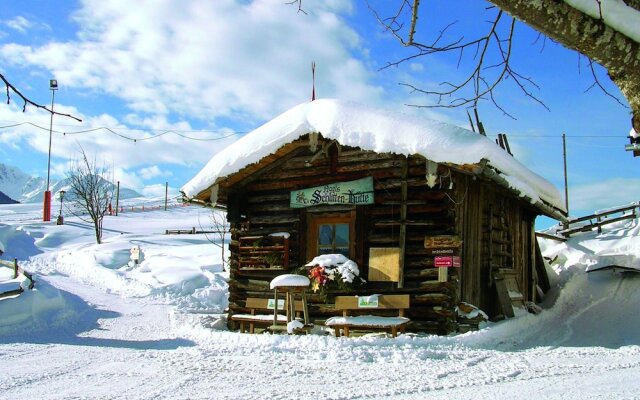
column 423, row 208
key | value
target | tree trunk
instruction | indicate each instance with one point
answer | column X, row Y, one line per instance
column 616, row 52
column 97, row 225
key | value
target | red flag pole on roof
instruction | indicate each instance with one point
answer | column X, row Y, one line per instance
column 313, row 80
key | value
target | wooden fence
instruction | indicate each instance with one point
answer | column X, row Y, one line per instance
column 16, row 271
column 597, row 220
column 593, row 221
column 192, row 231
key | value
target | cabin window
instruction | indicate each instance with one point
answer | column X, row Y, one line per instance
column 333, row 239
column 331, row 234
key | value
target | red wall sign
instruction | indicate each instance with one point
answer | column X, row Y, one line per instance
column 447, row 262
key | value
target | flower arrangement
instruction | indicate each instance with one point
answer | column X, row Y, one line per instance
column 333, row 270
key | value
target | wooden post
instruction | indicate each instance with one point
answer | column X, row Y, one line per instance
column 15, row 268
column 166, row 194
column 117, row 197
column 403, row 220
column 566, row 182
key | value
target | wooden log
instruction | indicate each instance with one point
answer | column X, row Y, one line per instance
column 419, row 262
column 318, row 180
column 430, row 313
column 422, row 274
column 250, row 284
column 441, row 299
column 278, row 219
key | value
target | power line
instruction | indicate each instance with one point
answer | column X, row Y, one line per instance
column 227, row 134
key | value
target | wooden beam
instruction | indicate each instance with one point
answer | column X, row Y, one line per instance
column 403, row 219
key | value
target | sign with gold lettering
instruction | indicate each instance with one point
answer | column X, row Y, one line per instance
column 352, row 192
column 443, row 245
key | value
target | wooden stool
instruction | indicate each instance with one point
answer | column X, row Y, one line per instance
column 291, row 285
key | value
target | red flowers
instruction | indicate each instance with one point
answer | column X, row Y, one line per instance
column 318, row 277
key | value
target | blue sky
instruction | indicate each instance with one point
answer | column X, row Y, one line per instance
column 207, row 71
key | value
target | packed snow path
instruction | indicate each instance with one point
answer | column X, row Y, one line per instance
column 141, row 350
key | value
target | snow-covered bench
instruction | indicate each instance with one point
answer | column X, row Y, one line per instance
column 370, row 321
column 261, row 314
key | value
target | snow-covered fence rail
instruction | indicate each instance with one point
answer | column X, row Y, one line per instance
column 192, row 231
column 13, row 265
column 550, row 236
column 600, row 218
column 17, row 270
column 147, row 206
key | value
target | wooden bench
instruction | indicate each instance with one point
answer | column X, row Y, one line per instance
column 370, row 322
column 261, row 314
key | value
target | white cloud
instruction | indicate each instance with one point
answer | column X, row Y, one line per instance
column 159, row 191
column 206, row 60
column 19, row 23
column 22, row 24
column 604, row 194
column 416, row 67
column 152, row 172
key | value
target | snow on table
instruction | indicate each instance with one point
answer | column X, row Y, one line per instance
column 290, row 280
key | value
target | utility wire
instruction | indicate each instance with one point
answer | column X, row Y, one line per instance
column 227, row 135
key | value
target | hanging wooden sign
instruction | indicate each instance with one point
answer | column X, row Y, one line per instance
column 352, row 192
column 446, row 245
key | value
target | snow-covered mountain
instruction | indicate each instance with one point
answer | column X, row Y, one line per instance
column 18, row 185
column 24, row 188
column 4, row 199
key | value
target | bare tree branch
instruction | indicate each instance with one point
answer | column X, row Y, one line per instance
column 484, row 75
column 27, row 101
column 299, row 3
column 220, row 230
column 597, row 83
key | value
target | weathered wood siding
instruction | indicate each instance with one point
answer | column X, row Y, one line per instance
column 498, row 234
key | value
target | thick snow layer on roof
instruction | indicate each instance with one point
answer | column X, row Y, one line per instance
column 376, row 130
column 615, row 14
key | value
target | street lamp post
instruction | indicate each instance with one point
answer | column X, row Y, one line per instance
column 60, row 220
column 53, row 86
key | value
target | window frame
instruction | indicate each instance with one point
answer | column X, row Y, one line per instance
column 315, row 220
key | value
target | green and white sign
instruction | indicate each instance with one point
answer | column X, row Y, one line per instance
column 368, row 301
column 271, row 304
column 352, row 192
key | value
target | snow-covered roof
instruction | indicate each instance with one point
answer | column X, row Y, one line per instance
column 377, row 130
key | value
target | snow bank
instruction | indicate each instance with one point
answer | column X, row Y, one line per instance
column 376, row 130
column 37, row 310
column 185, row 270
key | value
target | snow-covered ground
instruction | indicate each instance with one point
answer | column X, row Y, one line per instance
column 99, row 326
